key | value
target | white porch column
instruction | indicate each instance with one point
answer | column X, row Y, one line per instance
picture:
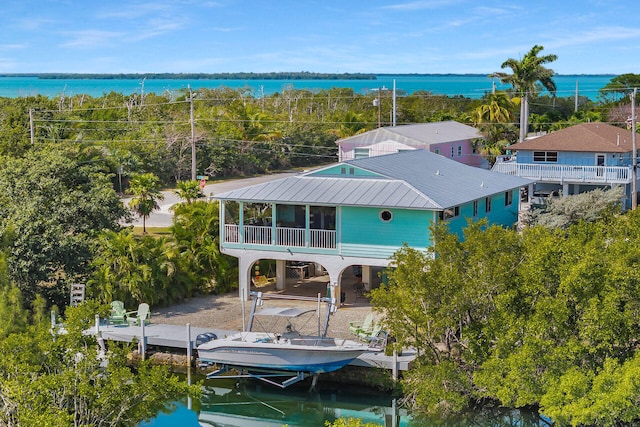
column 366, row 277
column 244, row 277
column 565, row 189
column 530, row 192
column 281, row 274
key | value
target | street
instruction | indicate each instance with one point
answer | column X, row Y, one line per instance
column 163, row 217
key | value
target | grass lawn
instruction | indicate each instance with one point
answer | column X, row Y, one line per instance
column 153, row 231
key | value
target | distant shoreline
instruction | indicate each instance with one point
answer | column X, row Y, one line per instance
column 248, row 76
column 196, row 76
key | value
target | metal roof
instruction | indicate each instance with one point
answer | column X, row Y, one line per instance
column 417, row 134
column 412, row 179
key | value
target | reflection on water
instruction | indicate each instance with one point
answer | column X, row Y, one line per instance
column 255, row 404
column 250, row 403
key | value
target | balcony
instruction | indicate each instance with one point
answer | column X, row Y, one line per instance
column 565, row 173
column 284, row 236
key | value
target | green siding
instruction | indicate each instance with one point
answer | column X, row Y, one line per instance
column 361, row 227
column 343, row 170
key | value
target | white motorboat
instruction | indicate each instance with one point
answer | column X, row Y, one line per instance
column 286, row 350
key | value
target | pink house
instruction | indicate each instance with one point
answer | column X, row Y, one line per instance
column 450, row 139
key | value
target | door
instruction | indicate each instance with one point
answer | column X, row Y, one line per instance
column 600, row 164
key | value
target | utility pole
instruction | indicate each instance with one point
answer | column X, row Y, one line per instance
column 193, row 136
column 379, row 109
column 393, row 119
column 33, row 137
column 634, row 162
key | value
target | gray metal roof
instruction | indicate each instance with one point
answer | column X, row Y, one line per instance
column 412, row 180
column 417, row 134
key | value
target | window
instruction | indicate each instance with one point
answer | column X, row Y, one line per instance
column 459, row 150
column 343, row 171
column 508, row 198
column 545, row 156
column 475, row 208
column 450, row 213
column 437, row 151
column 386, row 216
column 487, row 204
column 361, row 152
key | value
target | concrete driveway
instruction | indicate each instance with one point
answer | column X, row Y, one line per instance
column 164, row 216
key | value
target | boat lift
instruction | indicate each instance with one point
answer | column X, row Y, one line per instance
column 265, row 376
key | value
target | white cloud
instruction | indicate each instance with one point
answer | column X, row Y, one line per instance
column 421, row 4
column 90, row 38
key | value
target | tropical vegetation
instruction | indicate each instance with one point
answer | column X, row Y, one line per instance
column 543, row 318
column 546, row 317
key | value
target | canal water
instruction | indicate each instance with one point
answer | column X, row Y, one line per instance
column 249, row 403
column 228, row 402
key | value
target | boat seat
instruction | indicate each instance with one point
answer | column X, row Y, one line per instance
column 291, row 334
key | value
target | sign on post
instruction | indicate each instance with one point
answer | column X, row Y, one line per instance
column 202, row 183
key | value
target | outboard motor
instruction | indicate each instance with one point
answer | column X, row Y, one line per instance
column 205, row 337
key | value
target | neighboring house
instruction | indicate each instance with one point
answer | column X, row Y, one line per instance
column 573, row 160
column 450, row 139
column 359, row 212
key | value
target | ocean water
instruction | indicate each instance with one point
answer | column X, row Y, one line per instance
column 470, row 86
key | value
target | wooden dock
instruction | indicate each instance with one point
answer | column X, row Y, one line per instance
column 184, row 338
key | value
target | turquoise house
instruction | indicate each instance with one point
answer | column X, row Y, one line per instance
column 573, row 160
column 359, row 212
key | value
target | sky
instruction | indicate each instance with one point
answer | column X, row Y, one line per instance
column 325, row 36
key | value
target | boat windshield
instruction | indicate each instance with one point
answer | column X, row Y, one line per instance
column 283, row 311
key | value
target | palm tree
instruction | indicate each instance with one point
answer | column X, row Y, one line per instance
column 493, row 119
column 497, row 109
column 189, row 190
column 145, row 188
column 526, row 73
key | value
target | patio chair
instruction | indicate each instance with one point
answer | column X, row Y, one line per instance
column 118, row 313
column 370, row 335
column 365, row 326
column 142, row 314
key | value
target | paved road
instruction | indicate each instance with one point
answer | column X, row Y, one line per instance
column 164, row 216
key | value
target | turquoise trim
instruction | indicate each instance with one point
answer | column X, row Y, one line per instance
column 345, row 171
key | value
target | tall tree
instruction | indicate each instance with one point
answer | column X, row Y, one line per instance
column 525, row 74
column 53, row 203
column 145, row 188
column 619, row 87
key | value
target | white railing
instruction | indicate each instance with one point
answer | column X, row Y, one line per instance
column 562, row 173
column 257, row 234
column 322, row 239
column 286, row 236
column 231, row 234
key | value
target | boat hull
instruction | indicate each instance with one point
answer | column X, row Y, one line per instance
column 312, row 355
